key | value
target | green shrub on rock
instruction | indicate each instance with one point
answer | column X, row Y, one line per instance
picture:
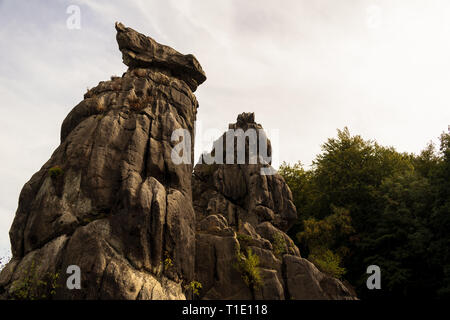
column 55, row 171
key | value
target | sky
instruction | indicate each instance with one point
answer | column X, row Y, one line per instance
column 306, row 68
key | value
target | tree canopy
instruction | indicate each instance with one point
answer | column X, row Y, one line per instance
column 362, row 203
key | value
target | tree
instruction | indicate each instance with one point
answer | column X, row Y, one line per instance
column 362, row 204
column 325, row 241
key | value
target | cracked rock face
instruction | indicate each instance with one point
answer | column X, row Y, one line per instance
column 111, row 201
column 116, row 206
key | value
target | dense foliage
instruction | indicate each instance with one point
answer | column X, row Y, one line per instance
column 362, row 204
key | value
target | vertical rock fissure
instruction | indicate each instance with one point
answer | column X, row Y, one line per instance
column 287, row 295
column 144, row 173
column 164, row 241
column 102, row 279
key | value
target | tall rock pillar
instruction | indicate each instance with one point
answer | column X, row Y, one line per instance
column 110, row 200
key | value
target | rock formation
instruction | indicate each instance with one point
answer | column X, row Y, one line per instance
column 111, row 201
column 241, row 214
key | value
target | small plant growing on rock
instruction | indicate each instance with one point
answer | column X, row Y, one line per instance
column 244, row 240
column 55, row 171
column 195, row 287
column 279, row 244
column 248, row 265
column 33, row 287
column 167, row 261
column 327, row 262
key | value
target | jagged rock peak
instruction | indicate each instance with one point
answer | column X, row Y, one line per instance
column 140, row 51
column 244, row 121
column 246, row 117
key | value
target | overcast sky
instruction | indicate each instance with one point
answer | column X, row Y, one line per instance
column 305, row 67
